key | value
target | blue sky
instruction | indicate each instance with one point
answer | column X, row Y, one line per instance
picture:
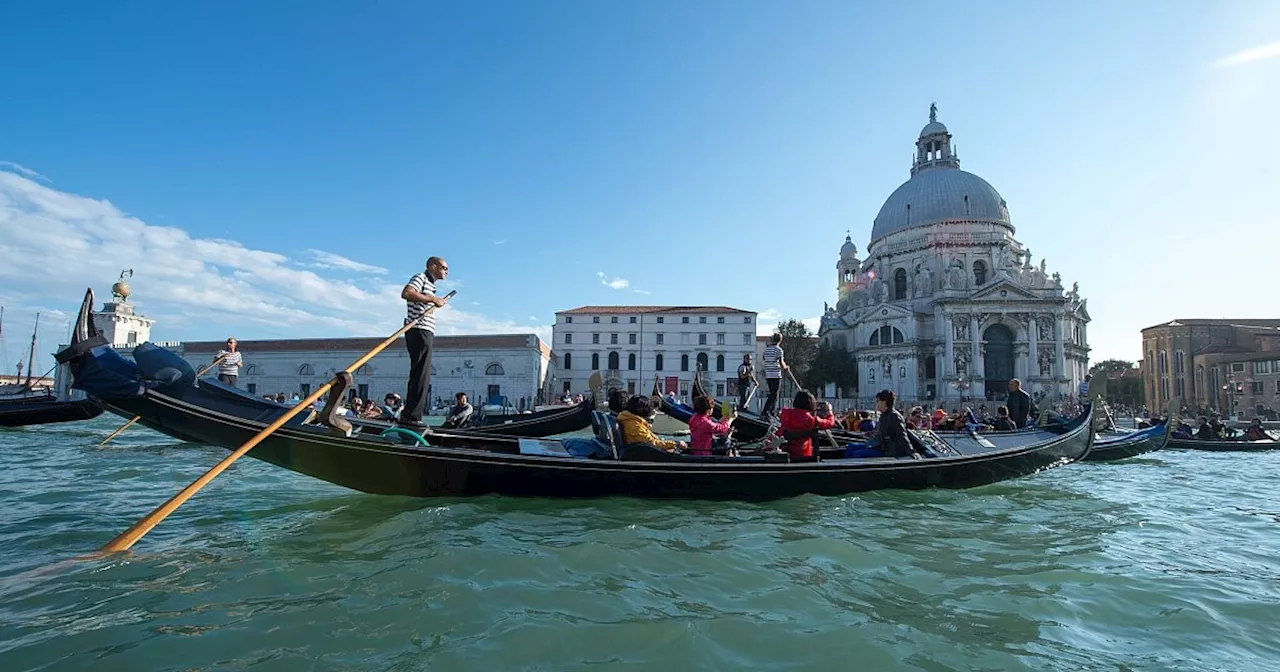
column 279, row 169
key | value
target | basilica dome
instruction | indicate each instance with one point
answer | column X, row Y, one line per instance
column 938, row 190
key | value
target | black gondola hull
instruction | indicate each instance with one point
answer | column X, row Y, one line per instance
column 23, row 413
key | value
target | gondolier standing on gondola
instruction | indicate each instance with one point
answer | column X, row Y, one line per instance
column 746, row 374
column 419, row 293
column 229, row 363
column 774, row 365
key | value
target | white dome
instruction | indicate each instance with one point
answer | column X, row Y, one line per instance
column 936, row 195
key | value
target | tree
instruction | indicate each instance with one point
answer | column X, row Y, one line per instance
column 1112, row 367
column 799, row 347
column 832, row 365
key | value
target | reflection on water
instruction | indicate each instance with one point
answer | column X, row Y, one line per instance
column 1130, row 565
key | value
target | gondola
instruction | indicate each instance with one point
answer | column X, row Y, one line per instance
column 1223, row 445
column 160, row 389
column 1120, row 445
column 540, row 424
column 44, row 410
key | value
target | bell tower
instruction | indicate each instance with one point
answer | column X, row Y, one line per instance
column 848, row 267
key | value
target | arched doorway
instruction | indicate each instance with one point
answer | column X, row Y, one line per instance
column 998, row 363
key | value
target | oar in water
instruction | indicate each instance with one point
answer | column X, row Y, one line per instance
column 136, row 418
column 131, row 536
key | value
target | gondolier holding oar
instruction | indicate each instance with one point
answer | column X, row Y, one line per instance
column 419, row 293
column 229, row 362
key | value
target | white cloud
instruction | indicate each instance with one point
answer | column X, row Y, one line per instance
column 1261, row 53
column 330, row 260
column 57, row 243
column 23, row 170
column 769, row 315
column 612, row 283
column 500, row 242
column 642, row 291
column 767, row 322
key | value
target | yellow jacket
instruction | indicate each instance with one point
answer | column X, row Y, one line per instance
column 635, row 429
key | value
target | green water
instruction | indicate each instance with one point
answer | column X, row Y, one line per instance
column 1165, row 562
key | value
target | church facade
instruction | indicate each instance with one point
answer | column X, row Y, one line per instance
column 948, row 306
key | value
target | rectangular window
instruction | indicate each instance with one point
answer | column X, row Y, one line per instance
column 595, row 319
column 595, row 339
column 1278, row 387
column 568, row 319
column 684, row 320
column 746, row 320
column 631, row 338
column 746, row 339
column 633, row 319
column 720, row 387
column 702, row 339
column 661, row 319
column 567, row 387
column 613, row 320
column 702, row 320
column 719, row 339
column 720, row 320
column 1262, row 367
column 568, row 339
column 362, row 390
column 1257, row 387
column 252, row 387
column 659, row 339
column 613, row 339
column 1237, row 367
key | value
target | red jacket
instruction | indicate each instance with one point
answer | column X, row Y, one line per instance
column 796, row 420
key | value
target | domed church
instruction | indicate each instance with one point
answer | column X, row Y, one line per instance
column 947, row 307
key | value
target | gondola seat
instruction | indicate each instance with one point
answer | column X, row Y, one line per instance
column 645, row 452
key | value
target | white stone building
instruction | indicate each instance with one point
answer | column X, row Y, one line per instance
column 631, row 346
column 948, row 305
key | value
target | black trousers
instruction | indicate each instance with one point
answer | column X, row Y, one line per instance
column 418, row 341
column 743, row 387
column 228, row 379
column 771, row 403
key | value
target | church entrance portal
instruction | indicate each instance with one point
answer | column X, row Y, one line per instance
column 998, row 361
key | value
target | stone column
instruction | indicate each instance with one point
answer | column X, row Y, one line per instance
column 1061, row 343
column 948, row 368
column 976, row 368
column 1033, row 347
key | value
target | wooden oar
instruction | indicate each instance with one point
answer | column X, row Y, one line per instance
column 136, row 418
column 131, row 536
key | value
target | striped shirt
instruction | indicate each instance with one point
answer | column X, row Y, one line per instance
column 772, row 361
column 417, row 312
column 230, row 364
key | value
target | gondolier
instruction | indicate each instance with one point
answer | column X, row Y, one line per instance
column 774, row 365
column 419, row 293
column 746, row 374
column 229, row 363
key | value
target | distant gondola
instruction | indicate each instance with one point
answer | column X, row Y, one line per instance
column 543, row 423
column 43, row 410
column 459, row 464
column 1120, row 445
column 1223, row 445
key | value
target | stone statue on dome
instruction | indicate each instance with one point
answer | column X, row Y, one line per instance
column 1042, row 263
column 1057, row 280
column 933, row 112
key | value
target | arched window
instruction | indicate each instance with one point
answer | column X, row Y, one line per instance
column 568, row 361
column 897, row 335
column 684, row 362
column 848, row 277
column 253, row 370
column 494, row 369
column 979, row 272
column 613, row 361
column 886, row 335
column 719, row 362
column 306, row 370
column 365, row 370
column 900, row 284
column 657, row 362
column 595, row 361
column 875, row 338
column 702, row 362
column 631, row 362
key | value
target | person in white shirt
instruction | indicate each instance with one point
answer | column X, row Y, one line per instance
column 231, row 361
column 419, row 293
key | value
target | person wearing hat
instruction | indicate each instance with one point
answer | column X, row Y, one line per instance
column 390, row 407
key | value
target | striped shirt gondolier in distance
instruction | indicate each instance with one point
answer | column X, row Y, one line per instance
column 772, row 361
column 230, row 364
column 417, row 312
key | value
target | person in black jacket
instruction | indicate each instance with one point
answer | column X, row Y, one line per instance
column 891, row 431
column 1020, row 405
column 1002, row 423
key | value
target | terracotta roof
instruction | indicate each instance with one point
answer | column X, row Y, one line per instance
column 476, row 342
column 1221, row 349
column 618, row 310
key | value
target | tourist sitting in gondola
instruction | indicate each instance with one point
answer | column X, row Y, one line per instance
column 1002, row 423
column 634, row 423
column 866, row 424
column 1182, row 431
column 800, row 422
column 1255, row 432
column 703, row 429
column 618, row 401
column 391, row 405
column 917, row 419
column 460, row 414
column 891, row 439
